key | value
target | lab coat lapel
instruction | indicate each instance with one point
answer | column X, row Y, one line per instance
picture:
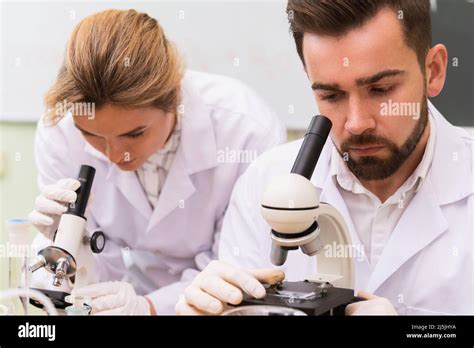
column 421, row 223
column 177, row 188
column 423, row 220
column 129, row 185
column 197, row 152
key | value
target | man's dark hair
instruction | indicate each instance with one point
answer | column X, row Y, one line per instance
column 337, row 17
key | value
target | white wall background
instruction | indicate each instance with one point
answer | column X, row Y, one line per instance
column 213, row 36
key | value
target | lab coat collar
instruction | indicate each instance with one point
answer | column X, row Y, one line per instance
column 198, row 140
column 128, row 184
column 452, row 159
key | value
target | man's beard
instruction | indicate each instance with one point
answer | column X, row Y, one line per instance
column 373, row 168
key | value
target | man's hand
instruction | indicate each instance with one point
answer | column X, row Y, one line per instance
column 219, row 284
column 373, row 305
column 114, row 298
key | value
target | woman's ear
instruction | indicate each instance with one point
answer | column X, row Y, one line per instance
column 436, row 62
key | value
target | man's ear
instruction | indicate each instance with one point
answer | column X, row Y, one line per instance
column 436, row 62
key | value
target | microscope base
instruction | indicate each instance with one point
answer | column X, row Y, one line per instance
column 57, row 297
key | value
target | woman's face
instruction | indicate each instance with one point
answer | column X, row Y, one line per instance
column 127, row 136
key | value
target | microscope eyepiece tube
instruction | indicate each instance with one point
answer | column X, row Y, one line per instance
column 86, row 177
column 313, row 143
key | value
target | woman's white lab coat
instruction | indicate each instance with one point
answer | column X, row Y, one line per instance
column 224, row 125
column 427, row 264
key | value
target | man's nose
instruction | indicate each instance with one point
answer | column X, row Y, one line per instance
column 359, row 117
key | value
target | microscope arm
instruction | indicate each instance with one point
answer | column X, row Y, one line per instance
column 86, row 267
column 331, row 267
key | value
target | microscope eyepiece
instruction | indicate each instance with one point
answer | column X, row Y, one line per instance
column 86, row 177
column 313, row 143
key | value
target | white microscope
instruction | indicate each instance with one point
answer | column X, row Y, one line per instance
column 70, row 258
column 291, row 206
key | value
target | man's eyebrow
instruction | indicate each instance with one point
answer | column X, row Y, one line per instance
column 135, row 130
column 378, row 76
column 325, row 86
column 360, row 82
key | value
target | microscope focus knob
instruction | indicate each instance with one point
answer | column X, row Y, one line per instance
column 97, row 242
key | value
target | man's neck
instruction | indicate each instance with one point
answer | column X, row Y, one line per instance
column 383, row 189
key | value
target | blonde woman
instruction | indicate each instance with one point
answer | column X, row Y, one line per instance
column 167, row 145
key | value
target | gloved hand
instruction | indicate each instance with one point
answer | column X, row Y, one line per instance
column 373, row 305
column 114, row 298
column 51, row 203
column 220, row 283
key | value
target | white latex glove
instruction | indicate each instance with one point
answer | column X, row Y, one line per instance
column 219, row 284
column 114, row 298
column 373, row 305
column 51, row 203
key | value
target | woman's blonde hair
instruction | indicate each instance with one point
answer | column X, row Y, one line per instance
column 117, row 57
